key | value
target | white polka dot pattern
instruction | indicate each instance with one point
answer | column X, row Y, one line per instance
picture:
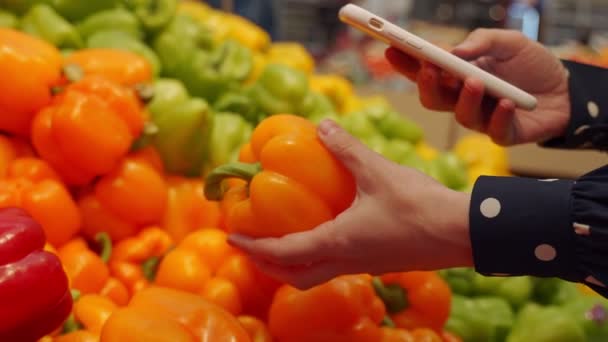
column 593, row 109
column 490, row 207
column 545, row 252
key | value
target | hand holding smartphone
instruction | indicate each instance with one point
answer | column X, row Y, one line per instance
column 417, row 47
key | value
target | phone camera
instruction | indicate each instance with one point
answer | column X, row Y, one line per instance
column 376, row 24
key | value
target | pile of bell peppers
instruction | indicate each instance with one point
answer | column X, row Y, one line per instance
column 523, row 308
column 136, row 134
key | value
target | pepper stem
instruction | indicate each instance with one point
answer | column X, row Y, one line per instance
column 214, row 189
column 387, row 322
column 149, row 267
column 73, row 72
column 103, row 239
column 75, row 294
column 393, row 296
column 70, row 325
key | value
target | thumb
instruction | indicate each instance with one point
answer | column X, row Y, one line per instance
column 500, row 44
column 351, row 152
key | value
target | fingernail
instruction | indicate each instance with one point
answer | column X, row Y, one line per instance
column 237, row 240
column 327, row 127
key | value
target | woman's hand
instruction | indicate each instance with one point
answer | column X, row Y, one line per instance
column 401, row 220
column 512, row 57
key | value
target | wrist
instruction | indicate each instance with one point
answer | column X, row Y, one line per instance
column 452, row 231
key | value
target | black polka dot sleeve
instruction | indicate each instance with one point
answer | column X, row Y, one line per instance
column 544, row 228
column 588, row 126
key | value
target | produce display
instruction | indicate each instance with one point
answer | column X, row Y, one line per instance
column 134, row 136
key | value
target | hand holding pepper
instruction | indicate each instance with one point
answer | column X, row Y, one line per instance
column 398, row 221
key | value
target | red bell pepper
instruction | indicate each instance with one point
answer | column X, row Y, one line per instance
column 34, row 288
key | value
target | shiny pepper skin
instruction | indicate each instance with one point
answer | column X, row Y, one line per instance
column 30, row 67
column 103, row 117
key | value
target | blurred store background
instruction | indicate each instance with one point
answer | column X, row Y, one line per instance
column 573, row 29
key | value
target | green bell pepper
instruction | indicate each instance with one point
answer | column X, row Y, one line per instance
column 592, row 314
column 122, row 40
column 238, row 103
column 393, row 125
column 483, row 319
column 75, row 10
column 19, row 7
column 181, row 127
column 44, row 22
column 460, row 280
column 448, row 169
column 359, row 125
column 554, row 291
column 318, row 117
column 545, row 324
column 315, row 104
column 154, row 15
column 280, row 89
column 399, row 150
column 191, row 31
column 118, row 19
column 229, row 133
column 206, row 74
column 515, row 290
column 8, row 19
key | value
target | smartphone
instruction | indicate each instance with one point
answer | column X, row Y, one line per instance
column 417, row 47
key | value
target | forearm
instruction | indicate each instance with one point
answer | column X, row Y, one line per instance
column 545, row 228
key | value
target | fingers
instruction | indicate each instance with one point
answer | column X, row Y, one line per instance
column 433, row 94
column 403, row 63
column 303, row 248
column 468, row 109
column 302, row 278
column 501, row 127
column 501, row 44
column 349, row 151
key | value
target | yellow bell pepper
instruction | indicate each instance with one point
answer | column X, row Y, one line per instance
column 259, row 64
column 292, row 54
column 426, row 151
column 355, row 103
column 227, row 25
column 480, row 150
column 337, row 88
column 476, row 171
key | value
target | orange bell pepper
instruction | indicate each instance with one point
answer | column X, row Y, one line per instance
column 415, row 299
column 194, row 260
column 256, row 289
column 134, row 260
column 161, row 314
column 116, row 291
column 449, row 337
column 30, row 67
column 416, row 335
column 102, row 117
column 92, row 311
column 223, row 293
column 123, row 67
column 131, row 196
column 187, row 208
column 87, row 270
column 296, row 186
column 33, row 185
column 77, row 336
column 12, row 148
column 257, row 330
column 343, row 309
